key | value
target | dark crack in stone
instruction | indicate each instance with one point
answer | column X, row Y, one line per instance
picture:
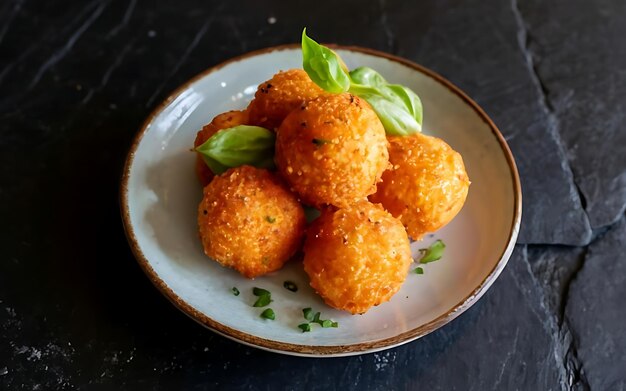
column 483, row 56
column 554, row 268
column 586, row 93
column 596, row 312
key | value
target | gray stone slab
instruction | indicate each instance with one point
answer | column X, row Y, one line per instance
column 580, row 58
column 554, row 268
column 596, row 312
column 477, row 46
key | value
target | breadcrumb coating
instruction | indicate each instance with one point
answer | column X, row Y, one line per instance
column 356, row 257
column 426, row 185
column 281, row 94
column 332, row 150
column 249, row 221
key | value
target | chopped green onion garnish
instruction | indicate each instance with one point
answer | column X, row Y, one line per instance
column 270, row 219
column 432, row 253
column 290, row 286
column 268, row 314
column 260, row 292
column 235, row 291
column 262, row 301
column 418, row 270
column 316, row 318
column 305, row 327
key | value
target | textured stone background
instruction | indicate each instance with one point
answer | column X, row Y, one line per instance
column 77, row 78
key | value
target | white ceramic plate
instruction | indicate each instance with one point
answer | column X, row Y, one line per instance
column 160, row 194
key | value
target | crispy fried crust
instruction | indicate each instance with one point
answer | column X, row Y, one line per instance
column 426, row 185
column 356, row 257
column 249, row 221
column 281, row 94
column 332, row 150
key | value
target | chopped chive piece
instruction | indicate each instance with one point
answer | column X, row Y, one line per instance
column 262, row 301
column 418, row 270
column 235, row 291
column 260, row 292
column 433, row 253
column 290, row 286
column 315, row 318
column 268, row 314
column 270, row 219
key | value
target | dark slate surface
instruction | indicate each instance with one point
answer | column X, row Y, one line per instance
column 580, row 57
column 597, row 316
column 480, row 46
column 478, row 351
column 77, row 80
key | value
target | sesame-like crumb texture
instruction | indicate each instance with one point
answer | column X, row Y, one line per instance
column 225, row 120
column 249, row 221
column 356, row 257
column 426, row 185
column 281, row 94
column 332, row 150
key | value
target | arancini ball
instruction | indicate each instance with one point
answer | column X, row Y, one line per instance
column 281, row 94
column 249, row 221
column 426, row 185
column 225, row 120
column 356, row 257
column 332, row 150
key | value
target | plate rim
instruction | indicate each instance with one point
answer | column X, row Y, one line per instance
column 320, row 350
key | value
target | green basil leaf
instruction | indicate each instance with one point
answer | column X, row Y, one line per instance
column 324, row 66
column 368, row 77
column 433, row 253
column 396, row 120
column 411, row 101
column 398, row 108
column 238, row 146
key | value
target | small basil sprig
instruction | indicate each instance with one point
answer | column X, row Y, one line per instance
column 238, row 146
column 324, row 66
column 398, row 108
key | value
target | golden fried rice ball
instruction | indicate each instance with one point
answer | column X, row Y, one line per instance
column 332, row 150
column 356, row 257
column 249, row 221
column 281, row 94
column 426, row 185
column 225, row 120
